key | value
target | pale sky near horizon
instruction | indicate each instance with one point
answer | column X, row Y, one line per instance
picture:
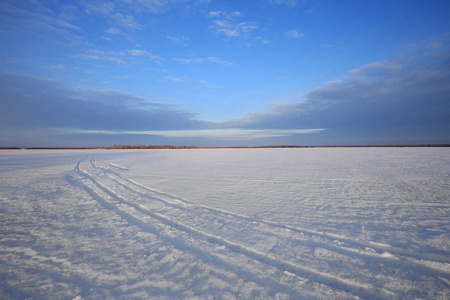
column 224, row 73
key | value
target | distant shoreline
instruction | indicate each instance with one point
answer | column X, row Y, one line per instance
column 149, row 147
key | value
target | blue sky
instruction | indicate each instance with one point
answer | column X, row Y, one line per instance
column 224, row 73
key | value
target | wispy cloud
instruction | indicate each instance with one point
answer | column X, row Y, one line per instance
column 113, row 30
column 29, row 103
column 38, row 21
column 226, row 24
column 226, row 134
column 379, row 66
column 331, row 46
column 405, row 97
column 138, row 52
column 226, row 15
column 263, row 41
column 294, row 34
column 285, row 2
column 126, row 21
column 178, row 39
column 134, row 7
column 98, row 8
column 233, row 29
column 106, row 8
column 174, row 79
column 101, row 55
column 144, row 53
column 199, row 60
column 59, row 23
column 124, row 13
column 153, row 6
column 119, row 57
column 208, row 84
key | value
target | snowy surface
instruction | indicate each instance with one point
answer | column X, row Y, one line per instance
column 338, row 223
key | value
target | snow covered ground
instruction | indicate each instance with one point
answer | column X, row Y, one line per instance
column 336, row 223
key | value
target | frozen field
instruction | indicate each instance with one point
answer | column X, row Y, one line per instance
column 337, row 223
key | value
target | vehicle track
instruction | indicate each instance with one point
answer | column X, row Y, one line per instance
column 235, row 231
column 384, row 251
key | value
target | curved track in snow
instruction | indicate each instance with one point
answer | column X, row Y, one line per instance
column 243, row 244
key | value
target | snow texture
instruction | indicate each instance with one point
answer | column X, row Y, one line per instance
column 336, row 223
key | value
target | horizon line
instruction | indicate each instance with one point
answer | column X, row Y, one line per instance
column 150, row 147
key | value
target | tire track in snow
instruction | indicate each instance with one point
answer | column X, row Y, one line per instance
column 206, row 256
column 359, row 289
column 377, row 258
column 387, row 252
column 428, row 268
column 118, row 167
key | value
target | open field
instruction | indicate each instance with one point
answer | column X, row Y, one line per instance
column 335, row 223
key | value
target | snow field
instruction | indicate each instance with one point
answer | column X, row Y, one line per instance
column 253, row 223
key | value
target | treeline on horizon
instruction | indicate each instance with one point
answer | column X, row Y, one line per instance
column 128, row 147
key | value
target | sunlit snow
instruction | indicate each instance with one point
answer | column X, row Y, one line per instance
column 335, row 223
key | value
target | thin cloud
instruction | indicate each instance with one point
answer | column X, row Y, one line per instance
column 294, row 34
column 60, row 23
column 134, row 7
column 100, row 58
column 100, row 55
column 226, row 24
column 178, row 39
column 32, row 106
column 232, row 29
column 138, row 6
column 213, row 14
column 153, row 6
column 226, row 15
column 264, row 41
column 284, row 2
column 38, row 103
column 208, row 84
column 331, row 46
column 225, row 134
column 113, row 30
column 199, row 60
column 138, row 52
column 38, row 21
column 98, row 8
column 174, row 79
column 126, row 21
column 406, row 98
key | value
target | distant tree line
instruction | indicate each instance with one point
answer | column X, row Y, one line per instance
column 151, row 147
column 278, row 146
column 236, row 147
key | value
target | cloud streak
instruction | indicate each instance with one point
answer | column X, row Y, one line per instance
column 33, row 19
column 402, row 100
column 226, row 134
column 100, row 55
column 294, row 34
column 29, row 102
column 284, row 2
column 32, row 108
column 226, row 24
column 199, row 60
column 406, row 98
